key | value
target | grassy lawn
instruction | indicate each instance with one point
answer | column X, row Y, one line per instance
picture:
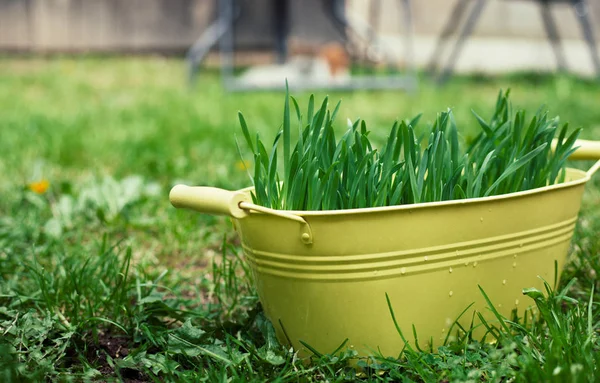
column 101, row 279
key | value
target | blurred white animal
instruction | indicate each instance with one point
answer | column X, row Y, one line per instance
column 328, row 65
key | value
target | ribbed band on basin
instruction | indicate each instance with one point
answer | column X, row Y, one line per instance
column 382, row 265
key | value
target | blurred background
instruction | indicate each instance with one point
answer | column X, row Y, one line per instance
column 499, row 35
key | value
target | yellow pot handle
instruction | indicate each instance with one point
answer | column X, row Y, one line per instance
column 210, row 200
column 586, row 150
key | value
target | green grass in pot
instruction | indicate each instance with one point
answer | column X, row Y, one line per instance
column 321, row 172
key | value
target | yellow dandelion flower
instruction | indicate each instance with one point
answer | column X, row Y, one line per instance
column 39, row 187
column 242, row 165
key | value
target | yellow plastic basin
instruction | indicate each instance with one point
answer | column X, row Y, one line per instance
column 322, row 276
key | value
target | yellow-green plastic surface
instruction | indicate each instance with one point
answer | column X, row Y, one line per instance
column 430, row 259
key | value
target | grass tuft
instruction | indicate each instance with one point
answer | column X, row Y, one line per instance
column 324, row 173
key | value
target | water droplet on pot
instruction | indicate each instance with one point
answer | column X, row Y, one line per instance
column 515, row 256
column 504, row 281
column 450, row 293
column 516, row 301
column 499, row 304
column 426, row 258
column 475, row 264
column 514, row 264
column 450, row 270
column 403, row 270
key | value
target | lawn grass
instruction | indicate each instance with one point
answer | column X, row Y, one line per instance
column 101, row 279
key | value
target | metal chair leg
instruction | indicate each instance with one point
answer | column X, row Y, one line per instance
column 582, row 11
column 465, row 33
column 552, row 34
column 449, row 29
column 282, row 28
column 202, row 46
column 210, row 37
